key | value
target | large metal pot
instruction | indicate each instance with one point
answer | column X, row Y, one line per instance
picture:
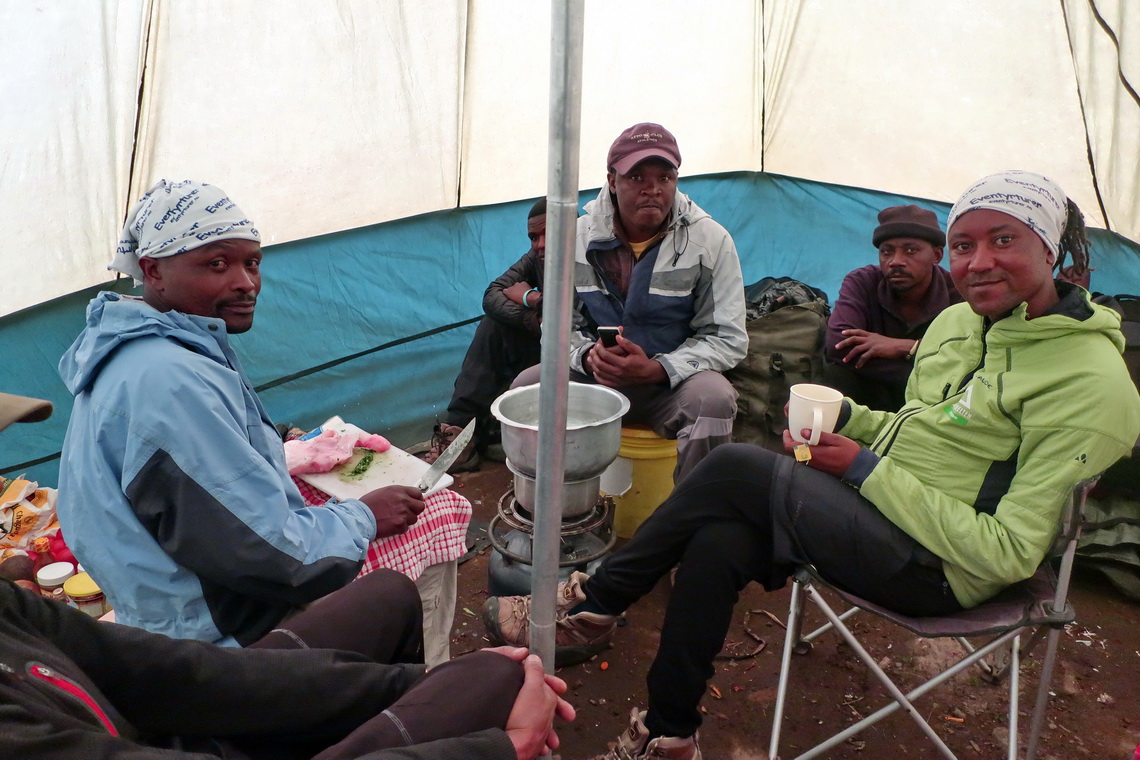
column 578, row 496
column 593, row 428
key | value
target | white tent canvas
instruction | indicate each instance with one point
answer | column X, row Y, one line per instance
column 329, row 116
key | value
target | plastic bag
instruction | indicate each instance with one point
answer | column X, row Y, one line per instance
column 26, row 512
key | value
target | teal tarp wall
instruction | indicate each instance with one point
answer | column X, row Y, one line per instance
column 399, row 301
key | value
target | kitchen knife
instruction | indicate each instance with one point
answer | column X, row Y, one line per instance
column 447, row 458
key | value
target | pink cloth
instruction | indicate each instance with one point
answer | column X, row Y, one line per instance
column 439, row 534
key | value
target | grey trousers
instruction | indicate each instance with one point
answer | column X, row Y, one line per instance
column 698, row 413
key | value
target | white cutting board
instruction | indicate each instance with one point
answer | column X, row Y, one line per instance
column 394, row 467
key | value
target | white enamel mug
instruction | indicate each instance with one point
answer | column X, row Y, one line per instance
column 815, row 407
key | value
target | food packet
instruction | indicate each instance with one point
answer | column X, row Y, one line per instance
column 26, row 511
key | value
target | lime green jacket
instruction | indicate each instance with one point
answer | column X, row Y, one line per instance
column 1001, row 421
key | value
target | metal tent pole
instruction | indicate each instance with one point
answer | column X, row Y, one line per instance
column 567, row 17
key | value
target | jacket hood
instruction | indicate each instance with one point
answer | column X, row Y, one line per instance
column 600, row 213
column 114, row 319
column 1074, row 313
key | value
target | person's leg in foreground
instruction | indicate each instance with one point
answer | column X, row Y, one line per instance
column 378, row 615
column 430, row 710
column 743, row 514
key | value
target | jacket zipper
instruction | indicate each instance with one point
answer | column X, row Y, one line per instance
column 986, row 324
column 64, row 684
column 683, row 225
column 892, row 434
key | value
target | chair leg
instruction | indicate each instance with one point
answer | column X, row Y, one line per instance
column 805, row 643
column 896, row 694
column 791, row 640
column 1037, row 721
column 1014, row 692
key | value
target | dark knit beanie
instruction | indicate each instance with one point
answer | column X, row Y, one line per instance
column 908, row 221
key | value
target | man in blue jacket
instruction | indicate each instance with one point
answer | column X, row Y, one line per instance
column 73, row 688
column 173, row 487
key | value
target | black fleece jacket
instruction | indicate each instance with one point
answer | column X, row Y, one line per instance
column 73, row 688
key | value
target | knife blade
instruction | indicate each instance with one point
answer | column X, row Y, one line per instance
column 445, row 460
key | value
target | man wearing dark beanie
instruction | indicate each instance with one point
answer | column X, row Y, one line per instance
column 882, row 311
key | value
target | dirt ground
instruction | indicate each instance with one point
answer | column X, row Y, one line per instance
column 1093, row 715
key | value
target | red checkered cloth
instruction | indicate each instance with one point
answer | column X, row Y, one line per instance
column 439, row 534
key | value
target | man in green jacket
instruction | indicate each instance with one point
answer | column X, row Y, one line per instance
column 925, row 511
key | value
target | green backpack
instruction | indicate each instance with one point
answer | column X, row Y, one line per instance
column 1123, row 478
column 786, row 322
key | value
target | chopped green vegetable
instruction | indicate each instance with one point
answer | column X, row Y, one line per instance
column 355, row 468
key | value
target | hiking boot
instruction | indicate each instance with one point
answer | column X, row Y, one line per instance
column 495, row 452
column 634, row 744
column 577, row 638
column 441, row 437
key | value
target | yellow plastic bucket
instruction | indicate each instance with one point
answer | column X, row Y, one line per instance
column 652, row 459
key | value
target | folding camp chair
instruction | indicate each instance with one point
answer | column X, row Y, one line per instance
column 1037, row 606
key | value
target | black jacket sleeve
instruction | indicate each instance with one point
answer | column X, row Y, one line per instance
column 528, row 269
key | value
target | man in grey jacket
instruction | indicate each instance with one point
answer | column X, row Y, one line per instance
column 651, row 262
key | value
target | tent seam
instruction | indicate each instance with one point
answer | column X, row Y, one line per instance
column 383, row 346
column 1108, row 30
column 1084, row 116
column 139, row 109
column 462, row 115
column 763, row 85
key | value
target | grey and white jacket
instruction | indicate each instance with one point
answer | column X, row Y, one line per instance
column 685, row 305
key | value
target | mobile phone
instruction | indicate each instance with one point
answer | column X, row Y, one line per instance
column 608, row 336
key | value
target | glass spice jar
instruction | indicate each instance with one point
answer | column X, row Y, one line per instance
column 84, row 594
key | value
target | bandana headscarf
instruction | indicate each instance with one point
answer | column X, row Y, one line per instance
column 1037, row 201
column 175, row 217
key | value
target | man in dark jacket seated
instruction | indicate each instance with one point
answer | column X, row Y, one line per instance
column 883, row 309
column 506, row 342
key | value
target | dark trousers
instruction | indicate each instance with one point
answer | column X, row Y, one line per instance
column 379, row 616
column 746, row 514
column 462, row 696
column 497, row 353
column 472, row 693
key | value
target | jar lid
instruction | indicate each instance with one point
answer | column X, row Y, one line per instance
column 81, row 585
column 55, row 573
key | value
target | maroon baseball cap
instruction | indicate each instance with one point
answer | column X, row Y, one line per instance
column 642, row 141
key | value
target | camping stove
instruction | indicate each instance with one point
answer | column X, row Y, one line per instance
column 592, row 441
column 583, row 540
